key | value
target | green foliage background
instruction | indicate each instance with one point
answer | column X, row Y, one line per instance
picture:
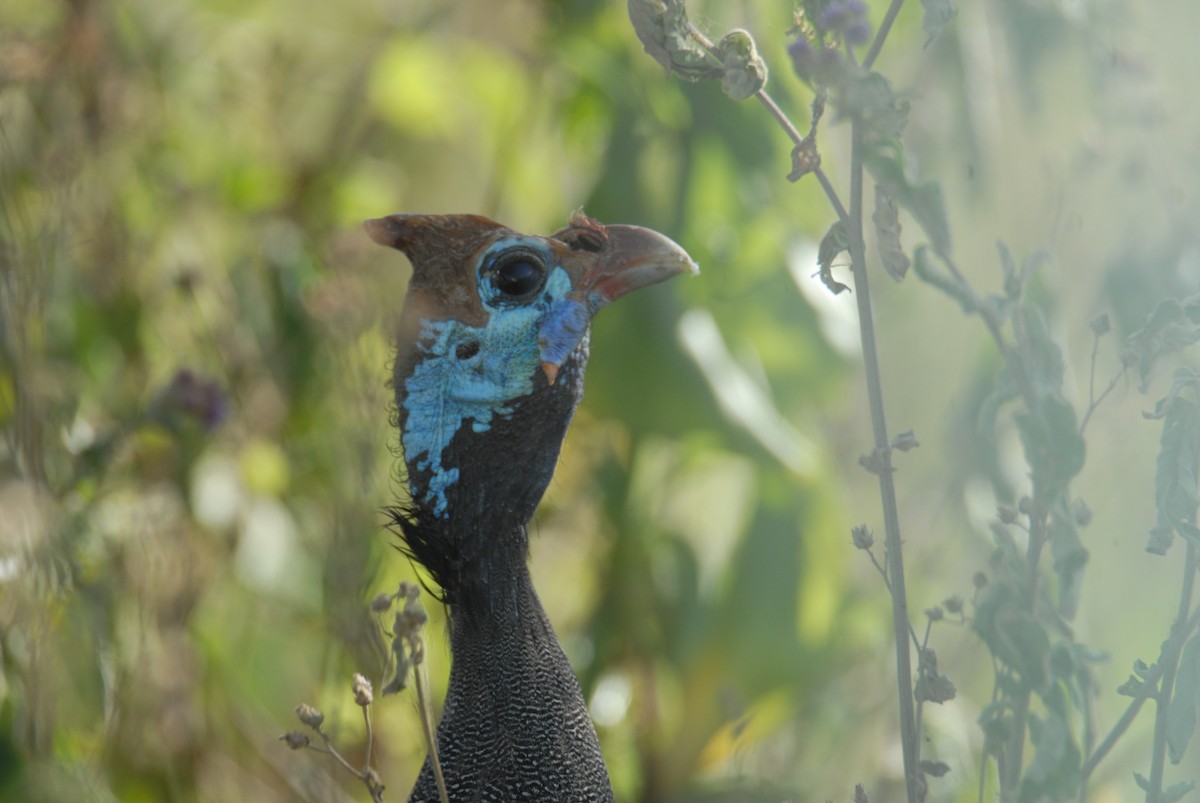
column 181, row 186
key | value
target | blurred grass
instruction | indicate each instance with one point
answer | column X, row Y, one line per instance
column 194, row 353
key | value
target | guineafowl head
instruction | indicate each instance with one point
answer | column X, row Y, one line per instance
column 489, row 368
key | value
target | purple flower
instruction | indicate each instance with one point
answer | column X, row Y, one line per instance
column 849, row 17
column 197, row 398
column 803, row 58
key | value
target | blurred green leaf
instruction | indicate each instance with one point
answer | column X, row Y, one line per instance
column 938, row 14
column 923, row 199
column 1172, row 326
column 1069, row 558
column 1053, row 446
column 1178, row 465
column 1185, row 701
column 1012, row 633
column 1053, row 774
column 931, row 274
column 1040, row 356
column 883, row 115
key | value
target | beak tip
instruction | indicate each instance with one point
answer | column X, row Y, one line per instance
column 551, row 371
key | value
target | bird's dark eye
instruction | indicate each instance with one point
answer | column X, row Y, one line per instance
column 517, row 275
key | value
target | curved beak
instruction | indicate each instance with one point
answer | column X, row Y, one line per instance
column 631, row 258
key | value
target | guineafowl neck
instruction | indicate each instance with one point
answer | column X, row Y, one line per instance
column 515, row 726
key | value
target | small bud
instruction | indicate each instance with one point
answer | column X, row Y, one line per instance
column 862, row 537
column 295, row 740
column 905, row 441
column 979, row 580
column 1083, row 513
column 935, row 769
column 381, row 603
column 954, row 604
column 1007, row 514
column 363, row 694
column 309, row 716
column 935, row 614
column 877, row 462
column 1025, row 505
column 1101, row 325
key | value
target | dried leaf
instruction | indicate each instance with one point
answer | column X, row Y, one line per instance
column 935, row 688
column 922, row 199
column 938, row 14
column 887, row 235
column 934, row 768
column 665, row 33
column 833, row 243
column 1185, row 702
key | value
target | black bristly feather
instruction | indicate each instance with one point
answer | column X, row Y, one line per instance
column 503, row 473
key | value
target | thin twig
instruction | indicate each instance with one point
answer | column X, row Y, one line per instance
column 780, row 116
column 366, row 709
column 1170, row 664
column 881, row 35
column 797, row 139
column 832, row 195
column 1092, row 405
column 427, row 724
column 331, row 750
column 1149, row 689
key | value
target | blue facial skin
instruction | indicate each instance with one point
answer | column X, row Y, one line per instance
column 565, row 324
column 444, row 391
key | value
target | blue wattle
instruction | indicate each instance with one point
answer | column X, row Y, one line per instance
column 562, row 329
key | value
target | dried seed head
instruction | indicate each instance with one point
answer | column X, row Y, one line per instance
column 363, row 694
column 862, row 537
column 1083, row 513
column 295, row 740
column 954, row 604
column 381, row 603
column 309, row 716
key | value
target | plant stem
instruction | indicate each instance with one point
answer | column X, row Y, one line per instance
column 424, row 703
column 1149, row 688
column 1016, row 747
column 794, row 135
column 370, row 739
column 910, row 739
column 1170, row 664
column 784, row 121
column 881, row 35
